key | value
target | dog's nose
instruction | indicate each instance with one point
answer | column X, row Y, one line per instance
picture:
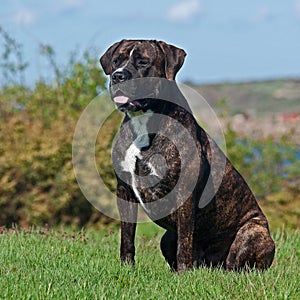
column 120, row 76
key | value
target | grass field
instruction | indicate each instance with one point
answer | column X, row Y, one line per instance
column 46, row 264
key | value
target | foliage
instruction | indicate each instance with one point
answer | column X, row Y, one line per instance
column 266, row 164
column 12, row 63
column 37, row 182
column 45, row 264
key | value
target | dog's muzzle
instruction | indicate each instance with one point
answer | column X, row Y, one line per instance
column 134, row 94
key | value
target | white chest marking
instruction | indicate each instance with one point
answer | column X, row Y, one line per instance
column 153, row 171
column 139, row 126
column 132, row 153
column 128, row 165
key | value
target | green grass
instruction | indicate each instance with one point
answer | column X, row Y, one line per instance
column 46, row 264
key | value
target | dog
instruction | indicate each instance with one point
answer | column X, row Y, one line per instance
column 229, row 230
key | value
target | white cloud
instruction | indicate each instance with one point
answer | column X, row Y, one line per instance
column 184, row 10
column 24, row 17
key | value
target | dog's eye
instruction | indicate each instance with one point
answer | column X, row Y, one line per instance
column 118, row 59
column 142, row 62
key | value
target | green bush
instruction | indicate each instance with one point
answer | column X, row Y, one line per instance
column 266, row 163
column 37, row 182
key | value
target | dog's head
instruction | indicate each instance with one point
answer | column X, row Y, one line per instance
column 133, row 59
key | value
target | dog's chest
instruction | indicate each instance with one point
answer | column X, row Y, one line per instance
column 136, row 161
column 150, row 166
column 138, row 171
column 143, row 163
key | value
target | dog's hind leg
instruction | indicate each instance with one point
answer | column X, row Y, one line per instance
column 252, row 247
column 168, row 246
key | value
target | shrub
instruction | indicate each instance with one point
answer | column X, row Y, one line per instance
column 37, row 182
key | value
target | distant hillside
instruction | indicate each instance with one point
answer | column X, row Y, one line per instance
column 258, row 99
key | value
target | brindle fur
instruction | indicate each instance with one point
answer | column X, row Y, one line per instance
column 231, row 231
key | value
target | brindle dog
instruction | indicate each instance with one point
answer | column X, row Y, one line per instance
column 230, row 230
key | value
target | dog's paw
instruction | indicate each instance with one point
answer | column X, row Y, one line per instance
column 182, row 268
column 127, row 260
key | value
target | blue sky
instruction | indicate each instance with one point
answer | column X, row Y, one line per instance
column 225, row 40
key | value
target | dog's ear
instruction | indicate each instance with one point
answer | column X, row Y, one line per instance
column 174, row 58
column 106, row 58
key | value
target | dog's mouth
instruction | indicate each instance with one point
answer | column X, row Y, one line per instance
column 124, row 103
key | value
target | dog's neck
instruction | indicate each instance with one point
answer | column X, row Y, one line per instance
column 138, row 124
column 144, row 124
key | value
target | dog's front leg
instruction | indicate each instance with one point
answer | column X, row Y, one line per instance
column 127, row 250
column 185, row 232
column 128, row 215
